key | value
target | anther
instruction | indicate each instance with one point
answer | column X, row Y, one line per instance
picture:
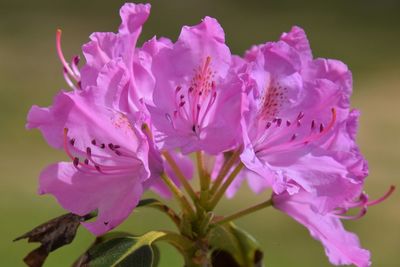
column 102, row 146
column 111, row 146
column 312, row 124
column 293, row 137
column 86, row 161
column 94, row 142
column 97, row 168
column 72, row 141
column 321, row 127
column 76, row 162
column 268, row 125
column 89, row 151
column 288, row 123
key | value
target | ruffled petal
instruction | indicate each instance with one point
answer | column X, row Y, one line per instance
column 297, row 39
column 114, row 197
column 341, row 247
column 104, row 47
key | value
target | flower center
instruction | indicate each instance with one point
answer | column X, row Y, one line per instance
column 272, row 100
column 98, row 157
column 280, row 136
column 193, row 104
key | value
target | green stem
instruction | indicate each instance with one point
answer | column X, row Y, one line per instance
column 203, row 177
column 224, row 171
column 179, row 195
column 180, row 175
column 218, row 195
column 245, row 212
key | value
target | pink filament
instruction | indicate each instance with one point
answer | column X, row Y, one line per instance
column 61, row 56
column 383, row 198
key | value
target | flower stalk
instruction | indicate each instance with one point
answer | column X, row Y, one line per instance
column 186, row 207
column 219, row 194
column 203, row 177
column 178, row 172
column 224, row 170
column 245, row 212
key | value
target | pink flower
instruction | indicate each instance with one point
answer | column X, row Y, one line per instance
column 108, row 153
column 99, row 126
column 197, row 96
column 295, row 133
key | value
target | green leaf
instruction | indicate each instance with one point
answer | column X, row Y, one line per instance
column 122, row 249
column 231, row 244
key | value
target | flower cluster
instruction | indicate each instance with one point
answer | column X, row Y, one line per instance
column 276, row 117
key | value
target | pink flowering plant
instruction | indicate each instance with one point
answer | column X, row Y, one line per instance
column 134, row 116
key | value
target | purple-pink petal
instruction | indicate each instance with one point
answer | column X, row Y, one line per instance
column 341, row 247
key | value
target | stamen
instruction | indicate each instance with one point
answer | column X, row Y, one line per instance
column 383, row 198
column 68, row 80
column 74, row 64
column 362, row 212
column 76, row 162
column 61, row 55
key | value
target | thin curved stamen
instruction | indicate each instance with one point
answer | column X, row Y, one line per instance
column 97, row 167
column 362, row 212
column 75, row 160
column 383, row 198
column 211, row 101
column 61, row 56
column 292, row 142
column 68, row 80
column 74, row 66
column 363, row 203
column 193, row 107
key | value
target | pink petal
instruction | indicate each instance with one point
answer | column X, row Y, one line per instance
column 113, row 196
column 341, row 247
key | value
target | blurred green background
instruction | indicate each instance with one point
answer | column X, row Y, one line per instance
column 365, row 34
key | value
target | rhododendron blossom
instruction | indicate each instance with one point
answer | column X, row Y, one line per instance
column 276, row 117
column 197, row 93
